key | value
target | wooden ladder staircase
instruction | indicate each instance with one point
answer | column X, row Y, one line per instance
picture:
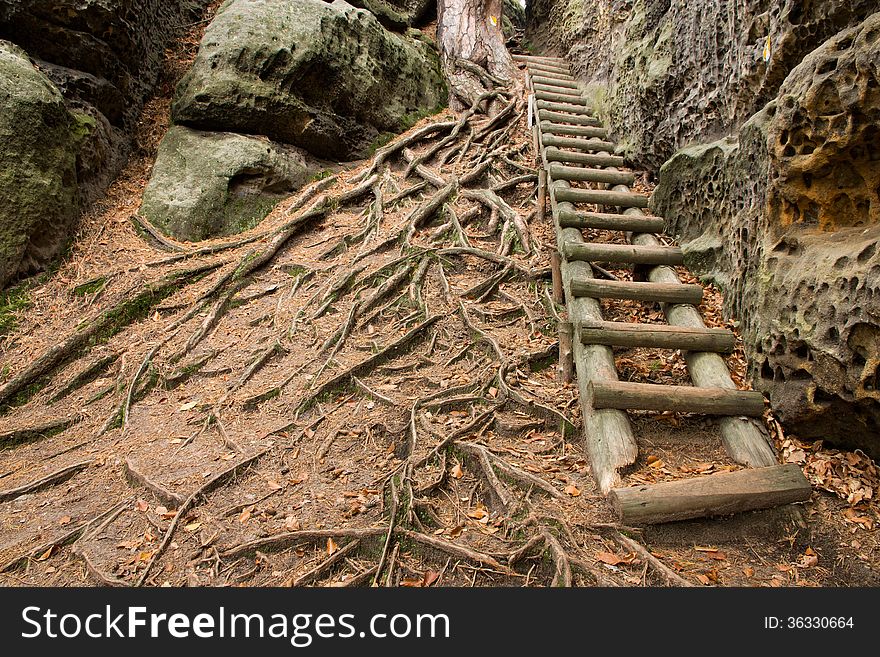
column 574, row 147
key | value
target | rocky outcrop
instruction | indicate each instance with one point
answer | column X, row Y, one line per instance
column 787, row 219
column 398, row 14
column 326, row 77
column 105, row 56
column 676, row 72
column 39, row 141
column 211, row 184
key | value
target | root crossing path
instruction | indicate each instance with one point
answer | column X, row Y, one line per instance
column 599, row 220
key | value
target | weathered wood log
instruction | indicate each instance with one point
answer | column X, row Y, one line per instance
column 538, row 58
column 656, row 292
column 626, row 253
column 553, row 73
column 563, row 107
column 566, row 359
column 679, row 399
column 745, row 440
column 570, row 99
column 574, row 130
column 607, row 221
column 555, row 82
column 549, row 139
column 556, row 274
column 589, row 159
column 560, row 172
column 713, row 495
column 659, row 336
column 607, row 433
column 574, row 119
column 567, row 95
column 542, row 194
column 547, row 68
column 603, row 197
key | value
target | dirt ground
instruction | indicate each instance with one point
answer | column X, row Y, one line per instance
column 362, row 390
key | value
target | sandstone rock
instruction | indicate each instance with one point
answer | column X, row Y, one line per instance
column 682, row 71
column 786, row 218
column 326, row 77
column 39, row 140
column 212, row 184
column 398, row 14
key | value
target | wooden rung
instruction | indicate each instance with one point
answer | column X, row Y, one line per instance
column 654, row 292
column 607, row 221
column 554, row 154
column 581, row 144
column 563, row 107
column 573, row 130
column 547, row 115
column 548, row 68
column 559, row 172
column 625, row 253
column 623, row 395
column 571, row 99
column 552, row 73
column 572, row 95
column 657, row 336
column 555, row 82
column 601, row 197
column 717, row 494
column 537, row 58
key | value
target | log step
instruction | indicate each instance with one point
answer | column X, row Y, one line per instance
column 547, row 115
column 559, row 172
column 623, row 253
column 589, row 159
column 654, row 292
column 549, row 68
column 574, row 142
column 561, row 98
column 716, row 494
column 537, row 58
column 601, row 197
column 657, row 336
column 608, row 221
column 555, row 82
column 563, row 107
column 679, row 399
column 572, row 95
column 552, row 74
column 573, row 130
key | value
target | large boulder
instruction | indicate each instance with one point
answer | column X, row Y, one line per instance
column 39, row 140
column 326, row 77
column 211, row 184
column 398, row 14
column 105, row 57
column 787, row 219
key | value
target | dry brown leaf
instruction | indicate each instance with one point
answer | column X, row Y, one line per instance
column 245, row 516
column 610, row 558
column 704, row 580
column 141, row 505
column 274, row 485
column 413, row 583
column 572, row 490
column 193, row 526
column 64, row 521
column 430, row 577
column 748, row 571
column 331, row 547
column 48, row 553
column 457, row 472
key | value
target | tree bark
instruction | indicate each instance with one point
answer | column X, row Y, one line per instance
column 472, row 48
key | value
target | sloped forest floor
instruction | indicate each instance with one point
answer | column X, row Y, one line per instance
column 359, row 391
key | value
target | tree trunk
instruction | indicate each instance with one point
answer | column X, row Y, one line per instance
column 472, row 48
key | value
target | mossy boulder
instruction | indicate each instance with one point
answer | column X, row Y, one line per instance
column 209, row 184
column 326, row 77
column 39, row 140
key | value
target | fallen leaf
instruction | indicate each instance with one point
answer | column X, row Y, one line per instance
column 704, row 580
column 161, row 510
column 718, row 556
column 479, row 514
column 193, row 526
column 46, row 554
column 430, row 577
column 245, row 516
column 65, row 520
column 331, row 546
column 457, row 472
column 455, row 532
column 572, row 490
column 188, row 406
column 274, row 485
column 748, row 571
column 414, row 583
column 610, row 558
column 652, row 458
column 142, row 505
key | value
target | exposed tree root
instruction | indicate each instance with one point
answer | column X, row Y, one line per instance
column 57, row 477
column 168, row 498
column 672, row 578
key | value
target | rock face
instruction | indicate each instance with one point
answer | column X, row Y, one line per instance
column 787, row 219
column 39, row 141
column 682, row 71
column 398, row 14
column 105, row 56
column 211, row 184
column 326, row 77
